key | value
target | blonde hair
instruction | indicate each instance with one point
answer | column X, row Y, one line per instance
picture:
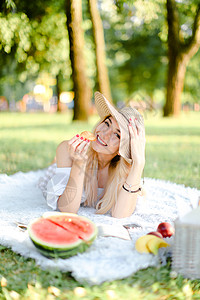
column 118, row 171
column 117, row 174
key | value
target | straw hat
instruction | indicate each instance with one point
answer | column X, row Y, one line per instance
column 122, row 116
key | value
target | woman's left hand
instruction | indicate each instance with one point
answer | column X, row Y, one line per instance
column 137, row 133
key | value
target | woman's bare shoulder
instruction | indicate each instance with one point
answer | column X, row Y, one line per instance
column 62, row 145
column 63, row 159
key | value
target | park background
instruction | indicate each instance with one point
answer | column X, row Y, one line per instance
column 54, row 55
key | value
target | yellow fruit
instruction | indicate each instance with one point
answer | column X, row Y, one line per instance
column 155, row 243
column 141, row 244
column 88, row 135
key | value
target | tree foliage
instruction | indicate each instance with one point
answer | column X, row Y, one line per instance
column 34, row 38
column 34, row 46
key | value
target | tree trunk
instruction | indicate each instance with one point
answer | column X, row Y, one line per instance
column 82, row 91
column 98, row 33
column 176, row 75
column 58, row 92
column 179, row 54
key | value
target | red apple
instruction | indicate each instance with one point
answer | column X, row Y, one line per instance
column 156, row 233
column 166, row 229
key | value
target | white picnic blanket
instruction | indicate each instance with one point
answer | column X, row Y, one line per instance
column 108, row 258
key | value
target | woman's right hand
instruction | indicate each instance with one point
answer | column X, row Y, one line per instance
column 77, row 149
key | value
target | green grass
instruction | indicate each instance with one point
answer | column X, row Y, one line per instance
column 29, row 141
column 173, row 147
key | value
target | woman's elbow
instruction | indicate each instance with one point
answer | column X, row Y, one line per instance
column 67, row 209
column 120, row 216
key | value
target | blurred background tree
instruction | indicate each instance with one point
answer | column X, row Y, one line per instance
column 99, row 42
column 182, row 46
column 82, row 93
column 34, row 39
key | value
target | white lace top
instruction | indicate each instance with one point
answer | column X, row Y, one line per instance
column 54, row 183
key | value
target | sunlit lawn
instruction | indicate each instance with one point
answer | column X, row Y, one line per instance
column 28, row 142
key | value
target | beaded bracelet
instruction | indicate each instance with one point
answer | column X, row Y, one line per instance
column 129, row 191
column 130, row 185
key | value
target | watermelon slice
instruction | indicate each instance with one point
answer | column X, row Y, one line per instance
column 62, row 234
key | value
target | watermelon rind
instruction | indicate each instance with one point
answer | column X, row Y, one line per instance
column 57, row 253
column 63, row 251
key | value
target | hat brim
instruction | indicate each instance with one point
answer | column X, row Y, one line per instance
column 105, row 108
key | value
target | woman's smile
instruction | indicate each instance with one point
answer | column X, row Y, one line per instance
column 108, row 137
column 100, row 141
